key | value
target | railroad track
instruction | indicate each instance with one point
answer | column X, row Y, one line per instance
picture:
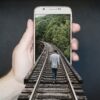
column 40, row 86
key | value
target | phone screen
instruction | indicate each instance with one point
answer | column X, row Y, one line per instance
column 54, row 29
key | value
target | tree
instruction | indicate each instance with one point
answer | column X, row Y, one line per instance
column 55, row 29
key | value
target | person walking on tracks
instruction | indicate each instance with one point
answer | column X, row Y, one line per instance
column 55, row 63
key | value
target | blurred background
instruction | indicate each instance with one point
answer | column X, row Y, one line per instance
column 14, row 15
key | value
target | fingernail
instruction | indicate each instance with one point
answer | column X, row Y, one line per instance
column 29, row 22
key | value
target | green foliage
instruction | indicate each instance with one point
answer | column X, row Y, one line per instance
column 55, row 29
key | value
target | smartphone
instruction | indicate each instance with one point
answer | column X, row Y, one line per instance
column 53, row 24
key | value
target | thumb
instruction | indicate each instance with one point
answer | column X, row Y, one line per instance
column 27, row 38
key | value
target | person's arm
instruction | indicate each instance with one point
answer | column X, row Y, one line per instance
column 50, row 59
column 9, row 87
column 59, row 60
column 22, row 61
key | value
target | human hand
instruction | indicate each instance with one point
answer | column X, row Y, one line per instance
column 22, row 58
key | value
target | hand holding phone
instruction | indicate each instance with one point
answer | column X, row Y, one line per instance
column 24, row 52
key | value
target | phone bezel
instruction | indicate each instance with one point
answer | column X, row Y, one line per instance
column 54, row 10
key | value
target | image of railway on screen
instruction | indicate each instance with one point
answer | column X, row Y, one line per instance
column 55, row 29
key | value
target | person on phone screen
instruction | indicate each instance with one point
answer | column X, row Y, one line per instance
column 55, row 63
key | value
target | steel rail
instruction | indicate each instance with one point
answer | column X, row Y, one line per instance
column 70, row 83
column 69, row 65
column 69, row 80
column 65, row 65
column 29, row 74
column 38, row 80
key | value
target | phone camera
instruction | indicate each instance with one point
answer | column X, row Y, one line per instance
column 43, row 8
column 59, row 8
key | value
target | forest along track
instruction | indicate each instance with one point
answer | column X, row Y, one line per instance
column 40, row 86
